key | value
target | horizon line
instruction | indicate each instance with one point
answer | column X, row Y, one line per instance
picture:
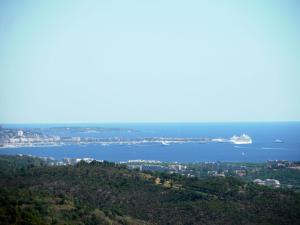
column 143, row 122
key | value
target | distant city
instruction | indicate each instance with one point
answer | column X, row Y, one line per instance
column 13, row 138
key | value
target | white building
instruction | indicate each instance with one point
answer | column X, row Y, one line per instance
column 20, row 133
column 272, row 182
column 268, row 182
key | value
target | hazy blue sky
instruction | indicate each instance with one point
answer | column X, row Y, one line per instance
column 149, row 61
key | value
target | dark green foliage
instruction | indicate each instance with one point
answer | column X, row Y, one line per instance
column 107, row 193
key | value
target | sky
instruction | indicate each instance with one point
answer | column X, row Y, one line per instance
column 149, row 61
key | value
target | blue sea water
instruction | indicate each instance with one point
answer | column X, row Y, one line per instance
column 262, row 149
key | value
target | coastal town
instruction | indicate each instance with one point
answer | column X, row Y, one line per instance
column 275, row 173
column 32, row 137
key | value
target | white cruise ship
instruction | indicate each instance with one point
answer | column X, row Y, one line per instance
column 240, row 140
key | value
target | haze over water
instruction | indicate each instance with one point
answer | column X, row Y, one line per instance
column 262, row 149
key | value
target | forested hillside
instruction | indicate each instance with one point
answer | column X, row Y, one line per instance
column 105, row 193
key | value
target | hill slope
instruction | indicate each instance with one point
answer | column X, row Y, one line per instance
column 107, row 193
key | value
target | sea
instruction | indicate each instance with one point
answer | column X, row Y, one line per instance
column 263, row 148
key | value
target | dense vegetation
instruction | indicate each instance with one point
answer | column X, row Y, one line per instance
column 105, row 193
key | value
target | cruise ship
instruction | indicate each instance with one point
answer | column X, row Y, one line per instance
column 239, row 140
